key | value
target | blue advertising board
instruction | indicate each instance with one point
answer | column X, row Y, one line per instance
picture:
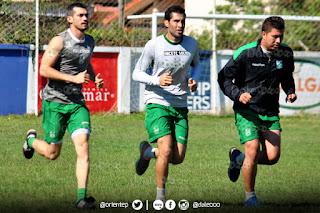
column 201, row 99
column 14, row 78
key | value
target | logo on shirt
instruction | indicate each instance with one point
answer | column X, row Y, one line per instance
column 279, row 64
column 172, row 53
column 68, row 44
column 258, row 65
column 81, row 51
column 81, row 59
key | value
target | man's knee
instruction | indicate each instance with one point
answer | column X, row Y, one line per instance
column 53, row 155
column 165, row 152
column 53, row 151
column 177, row 160
column 273, row 159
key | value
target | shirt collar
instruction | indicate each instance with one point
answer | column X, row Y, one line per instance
column 76, row 39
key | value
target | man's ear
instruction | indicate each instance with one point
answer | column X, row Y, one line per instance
column 263, row 34
column 166, row 23
column 69, row 19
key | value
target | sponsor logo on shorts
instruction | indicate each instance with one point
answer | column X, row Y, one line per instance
column 52, row 134
column 85, row 122
column 156, row 130
column 248, row 132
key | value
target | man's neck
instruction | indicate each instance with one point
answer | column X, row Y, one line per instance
column 172, row 38
column 77, row 33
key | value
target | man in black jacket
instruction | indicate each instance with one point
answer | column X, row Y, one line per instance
column 252, row 79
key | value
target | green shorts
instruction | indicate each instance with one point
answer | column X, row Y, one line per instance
column 57, row 117
column 162, row 120
column 250, row 124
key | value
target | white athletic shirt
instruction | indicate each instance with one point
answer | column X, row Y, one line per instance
column 164, row 56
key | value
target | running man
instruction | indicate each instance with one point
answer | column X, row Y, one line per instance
column 170, row 56
column 252, row 79
column 66, row 64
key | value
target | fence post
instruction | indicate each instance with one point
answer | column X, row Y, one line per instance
column 213, row 71
column 154, row 24
column 36, row 67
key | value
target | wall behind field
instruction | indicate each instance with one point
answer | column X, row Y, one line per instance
column 123, row 95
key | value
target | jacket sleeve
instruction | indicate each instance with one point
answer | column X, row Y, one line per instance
column 226, row 79
column 287, row 82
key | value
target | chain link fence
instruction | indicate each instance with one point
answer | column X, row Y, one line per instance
column 110, row 26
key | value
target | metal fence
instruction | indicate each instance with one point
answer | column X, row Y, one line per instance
column 110, row 26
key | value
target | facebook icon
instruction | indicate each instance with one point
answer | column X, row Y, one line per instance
column 170, row 204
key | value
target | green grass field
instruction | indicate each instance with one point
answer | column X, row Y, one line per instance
column 41, row 185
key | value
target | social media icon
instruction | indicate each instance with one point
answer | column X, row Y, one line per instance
column 183, row 205
column 137, row 204
column 102, row 205
column 158, row 204
column 170, row 204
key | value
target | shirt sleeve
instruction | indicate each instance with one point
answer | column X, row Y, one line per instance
column 146, row 59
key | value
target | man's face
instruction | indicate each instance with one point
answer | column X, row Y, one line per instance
column 272, row 39
column 79, row 19
column 176, row 25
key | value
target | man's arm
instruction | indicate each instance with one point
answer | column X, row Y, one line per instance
column 95, row 78
column 225, row 79
column 287, row 82
column 50, row 57
column 140, row 72
column 195, row 72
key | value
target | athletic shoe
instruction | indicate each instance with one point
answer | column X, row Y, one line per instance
column 252, row 202
column 86, row 203
column 142, row 163
column 27, row 150
column 234, row 167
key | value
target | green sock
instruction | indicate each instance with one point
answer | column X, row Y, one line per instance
column 30, row 141
column 81, row 193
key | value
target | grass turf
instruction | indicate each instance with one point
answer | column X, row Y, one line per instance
column 41, row 185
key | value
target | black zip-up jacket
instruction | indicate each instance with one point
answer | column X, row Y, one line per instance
column 251, row 70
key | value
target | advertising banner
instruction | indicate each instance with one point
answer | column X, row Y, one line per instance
column 97, row 100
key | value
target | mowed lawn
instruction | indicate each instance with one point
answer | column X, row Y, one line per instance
column 41, row 185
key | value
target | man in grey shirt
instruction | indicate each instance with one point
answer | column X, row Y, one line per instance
column 66, row 64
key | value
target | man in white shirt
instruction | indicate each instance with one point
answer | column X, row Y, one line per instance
column 169, row 56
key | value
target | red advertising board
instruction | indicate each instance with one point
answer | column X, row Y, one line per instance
column 97, row 100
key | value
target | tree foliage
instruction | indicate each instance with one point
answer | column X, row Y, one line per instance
column 232, row 34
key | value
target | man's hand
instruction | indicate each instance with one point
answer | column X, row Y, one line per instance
column 99, row 81
column 192, row 84
column 166, row 79
column 82, row 77
column 245, row 98
column 292, row 98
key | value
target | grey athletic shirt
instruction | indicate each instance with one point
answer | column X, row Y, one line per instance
column 74, row 58
column 164, row 56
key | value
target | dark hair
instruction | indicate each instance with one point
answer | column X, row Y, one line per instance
column 71, row 6
column 273, row 22
column 174, row 9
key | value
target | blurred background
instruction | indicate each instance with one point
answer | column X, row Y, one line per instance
column 110, row 26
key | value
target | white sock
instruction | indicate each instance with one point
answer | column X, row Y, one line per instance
column 250, row 195
column 161, row 194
